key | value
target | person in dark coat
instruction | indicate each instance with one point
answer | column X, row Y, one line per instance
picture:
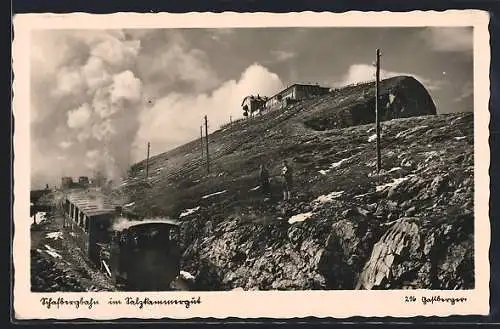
column 287, row 175
column 264, row 180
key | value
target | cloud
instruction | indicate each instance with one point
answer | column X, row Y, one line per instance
column 449, row 39
column 65, row 144
column 69, row 80
column 77, row 118
column 221, row 33
column 126, row 86
column 466, row 94
column 364, row 73
column 170, row 62
column 117, row 52
column 281, row 55
column 162, row 126
column 95, row 74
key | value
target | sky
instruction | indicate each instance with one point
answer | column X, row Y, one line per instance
column 99, row 96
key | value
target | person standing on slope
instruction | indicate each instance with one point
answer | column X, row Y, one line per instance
column 264, row 180
column 286, row 173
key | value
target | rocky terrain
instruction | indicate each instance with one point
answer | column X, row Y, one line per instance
column 347, row 227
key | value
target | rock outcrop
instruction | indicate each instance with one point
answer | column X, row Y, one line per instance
column 399, row 97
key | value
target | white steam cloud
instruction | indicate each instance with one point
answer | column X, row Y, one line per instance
column 78, row 118
column 94, row 86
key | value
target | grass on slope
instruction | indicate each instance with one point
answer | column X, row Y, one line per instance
column 333, row 160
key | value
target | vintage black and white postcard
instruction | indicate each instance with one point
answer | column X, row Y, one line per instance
column 251, row 165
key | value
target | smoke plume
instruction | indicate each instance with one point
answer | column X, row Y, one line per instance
column 92, row 106
column 98, row 97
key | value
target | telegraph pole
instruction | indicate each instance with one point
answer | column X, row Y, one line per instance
column 230, row 119
column 377, row 117
column 201, row 140
column 147, row 162
column 206, row 142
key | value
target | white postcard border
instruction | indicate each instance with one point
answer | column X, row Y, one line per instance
column 250, row 304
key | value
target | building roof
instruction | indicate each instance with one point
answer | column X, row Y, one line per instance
column 92, row 203
column 297, row 85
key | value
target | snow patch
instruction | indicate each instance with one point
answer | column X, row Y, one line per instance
column 338, row 163
column 327, row 197
column 300, row 217
column 255, row 188
column 333, row 166
column 40, row 217
column 188, row 212
column 129, row 204
column 361, row 195
column 394, row 182
column 430, row 155
column 460, row 137
column 52, row 252
column 186, row 275
column 54, row 235
column 213, row 194
column 394, row 169
column 372, row 138
column 410, row 131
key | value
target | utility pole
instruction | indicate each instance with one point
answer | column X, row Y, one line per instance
column 377, row 117
column 230, row 119
column 201, row 141
column 147, row 162
column 206, row 141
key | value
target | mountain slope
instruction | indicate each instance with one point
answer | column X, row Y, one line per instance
column 409, row 227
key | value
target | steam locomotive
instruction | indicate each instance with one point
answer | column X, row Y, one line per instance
column 143, row 257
